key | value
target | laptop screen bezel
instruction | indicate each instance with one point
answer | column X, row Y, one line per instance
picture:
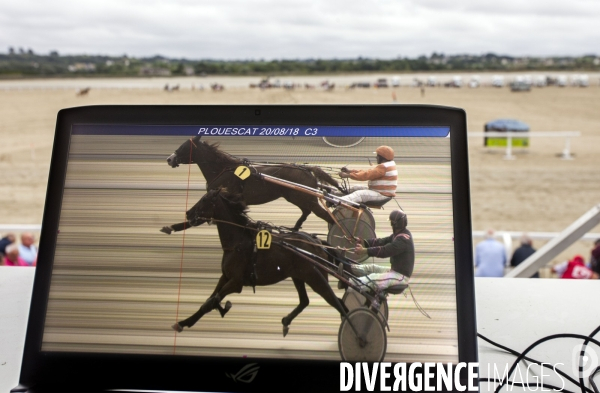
column 48, row 370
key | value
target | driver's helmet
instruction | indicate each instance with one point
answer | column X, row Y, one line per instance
column 398, row 220
column 385, row 152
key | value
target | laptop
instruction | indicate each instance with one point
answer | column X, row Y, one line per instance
column 131, row 256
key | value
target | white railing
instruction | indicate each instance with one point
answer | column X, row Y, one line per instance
column 20, row 228
column 566, row 153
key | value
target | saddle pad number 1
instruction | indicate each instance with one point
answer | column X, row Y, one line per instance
column 242, row 172
column 263, row 240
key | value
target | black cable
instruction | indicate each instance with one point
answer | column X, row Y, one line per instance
column 522, row 385
column 583, row 347
column 535, row 344
column 558, row 371
column 591, row 379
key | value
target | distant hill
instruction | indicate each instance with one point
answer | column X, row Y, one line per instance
column 29, row 64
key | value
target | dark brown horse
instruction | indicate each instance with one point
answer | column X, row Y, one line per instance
column 244, row 265
column 218, row 169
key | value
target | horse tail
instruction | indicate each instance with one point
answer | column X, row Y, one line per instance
column 323, row 176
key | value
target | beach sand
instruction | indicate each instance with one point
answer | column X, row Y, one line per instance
column 537, row 192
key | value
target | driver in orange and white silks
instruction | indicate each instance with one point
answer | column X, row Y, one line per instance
column 383, row 179
column 399, row 247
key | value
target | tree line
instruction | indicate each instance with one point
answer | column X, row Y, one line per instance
column 26, row 63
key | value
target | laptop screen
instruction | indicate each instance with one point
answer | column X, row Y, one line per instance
column 157, row 251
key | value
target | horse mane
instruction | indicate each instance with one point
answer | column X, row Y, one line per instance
column 221, row 156
column 236, row 203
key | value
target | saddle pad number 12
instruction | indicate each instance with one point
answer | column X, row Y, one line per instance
column 242, row 172
column 263, row 240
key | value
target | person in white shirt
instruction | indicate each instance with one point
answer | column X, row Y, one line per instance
column 27, row 250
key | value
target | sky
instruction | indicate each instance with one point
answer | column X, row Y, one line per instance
column 294, row 29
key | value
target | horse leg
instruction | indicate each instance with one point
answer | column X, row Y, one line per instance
column 319, row 284
column 222, row 310
column 210, row 304
column 301, row 288
column 320, row 212
column 175, row 227
column 305, row 213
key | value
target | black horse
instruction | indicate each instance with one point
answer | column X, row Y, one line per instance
column 218, row 169
column 244, row 265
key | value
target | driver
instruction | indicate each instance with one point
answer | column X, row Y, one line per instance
column 383, row 179
column 399, row 247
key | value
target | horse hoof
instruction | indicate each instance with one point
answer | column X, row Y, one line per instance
column 285, row 330
column 166, row 230
column 177, row 327
column 225, row 309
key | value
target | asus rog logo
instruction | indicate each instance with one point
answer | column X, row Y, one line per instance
column 246, row 374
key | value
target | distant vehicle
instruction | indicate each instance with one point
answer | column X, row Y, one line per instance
column 498, row 81
column 395, row 81
column 381, row 82
column 328, row 85
column 520, row 85
column 417, row 82
column 362, row 85
column 217, row 87
column 432, row 81
column 561, row 81
column 541, row 81
column 580, row 81
column 455, row 82
column 474, row 82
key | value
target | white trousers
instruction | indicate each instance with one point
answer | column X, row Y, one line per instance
column 362, row 194
column 378, row 278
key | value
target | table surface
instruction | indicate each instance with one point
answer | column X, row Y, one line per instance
column 514, row 312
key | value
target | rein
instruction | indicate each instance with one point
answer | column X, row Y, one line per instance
column 211, row 221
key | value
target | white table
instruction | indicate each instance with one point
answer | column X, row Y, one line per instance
column 513, row 312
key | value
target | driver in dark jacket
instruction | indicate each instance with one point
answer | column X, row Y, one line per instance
column 399, row 247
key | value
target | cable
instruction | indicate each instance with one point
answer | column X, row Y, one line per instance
column 521, row 356
column 512, row 351
column 583, row 347
column 591, row 379
column 522, row 385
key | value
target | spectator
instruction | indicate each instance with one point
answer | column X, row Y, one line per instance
column 490, row 257
column 524, row 251
column 574, row 269
column 5, row 241
column 12, row 257
column 595, row 257
column 28, row 250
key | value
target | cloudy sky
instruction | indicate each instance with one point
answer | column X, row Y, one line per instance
column 292, row 29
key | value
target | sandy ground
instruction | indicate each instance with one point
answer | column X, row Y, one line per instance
column 535, row 192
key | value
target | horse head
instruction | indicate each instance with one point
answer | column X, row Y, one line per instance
column 218, row 204
column 183, row 154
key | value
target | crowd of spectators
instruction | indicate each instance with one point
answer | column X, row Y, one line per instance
column 22, row 254
column 491, row 260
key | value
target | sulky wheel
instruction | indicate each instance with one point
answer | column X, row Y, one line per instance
column 362, row 337
column 342, row 212
column 343, row 141
column 354, row 300
column 360, row 229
